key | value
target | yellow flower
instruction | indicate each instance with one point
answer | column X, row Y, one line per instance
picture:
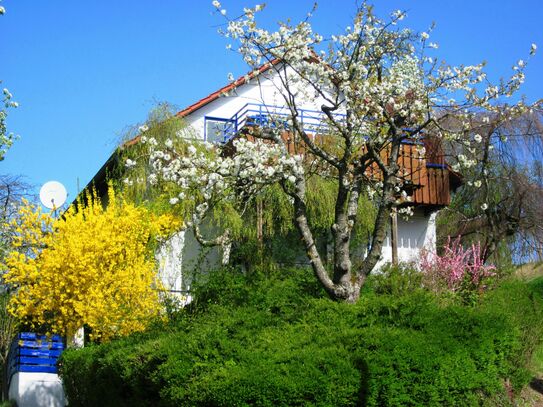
column 92, row 267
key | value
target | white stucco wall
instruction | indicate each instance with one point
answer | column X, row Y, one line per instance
column 267, row 90
column 36, row 390
column 182, row 255
column 414, row 234
column 170, row 262
column 180, row 258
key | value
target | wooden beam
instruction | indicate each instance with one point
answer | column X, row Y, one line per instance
column 394, row 236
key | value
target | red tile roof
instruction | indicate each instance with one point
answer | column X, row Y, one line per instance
column 215, row 95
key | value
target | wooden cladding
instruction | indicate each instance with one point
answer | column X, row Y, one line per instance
column 427, row 173
column 424, row 173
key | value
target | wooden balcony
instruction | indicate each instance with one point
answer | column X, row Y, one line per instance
column 424, row 172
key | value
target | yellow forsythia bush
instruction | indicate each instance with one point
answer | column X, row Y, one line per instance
column 92, row 267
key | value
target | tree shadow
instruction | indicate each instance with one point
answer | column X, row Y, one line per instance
column 537, row 385
column 363, row 391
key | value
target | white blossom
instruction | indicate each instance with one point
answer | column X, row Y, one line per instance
column 398, row 14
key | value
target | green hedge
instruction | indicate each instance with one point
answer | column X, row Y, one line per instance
column 275, row 340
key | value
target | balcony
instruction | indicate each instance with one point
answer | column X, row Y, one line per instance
column 428, row 176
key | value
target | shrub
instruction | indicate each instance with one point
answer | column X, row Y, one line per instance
column 275, row 340
column 92, row 266
column 458, row 269
column 396, row 280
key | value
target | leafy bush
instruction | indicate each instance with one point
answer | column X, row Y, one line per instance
column 396, row 280
column 108, row 280
column 458, row 269
column 274, row 340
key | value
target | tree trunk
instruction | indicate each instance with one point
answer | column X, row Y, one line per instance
column 341, row 232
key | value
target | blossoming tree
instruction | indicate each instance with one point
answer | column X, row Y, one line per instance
column 92, row 267
column 378, row 86
column 6, row 139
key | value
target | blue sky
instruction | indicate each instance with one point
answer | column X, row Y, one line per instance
column 83, row 71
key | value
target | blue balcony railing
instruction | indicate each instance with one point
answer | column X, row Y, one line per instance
column 313, row 122
column 253, row 114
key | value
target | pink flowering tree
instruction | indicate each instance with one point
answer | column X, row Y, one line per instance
column 377, row 85
column 457, row 269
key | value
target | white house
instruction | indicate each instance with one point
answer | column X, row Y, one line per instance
column 220, row 115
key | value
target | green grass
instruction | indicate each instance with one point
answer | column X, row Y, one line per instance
column 537, row 361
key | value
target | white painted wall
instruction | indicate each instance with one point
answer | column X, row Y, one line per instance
column 36, row 390
column 170, row 262
column 267, row 89
column 180, row 257
column 414, row 234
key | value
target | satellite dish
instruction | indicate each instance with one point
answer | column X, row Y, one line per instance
column 53, row 195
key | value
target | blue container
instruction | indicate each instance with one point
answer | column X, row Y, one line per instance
column 30, row 352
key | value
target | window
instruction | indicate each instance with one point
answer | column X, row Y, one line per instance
column 218, row 130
